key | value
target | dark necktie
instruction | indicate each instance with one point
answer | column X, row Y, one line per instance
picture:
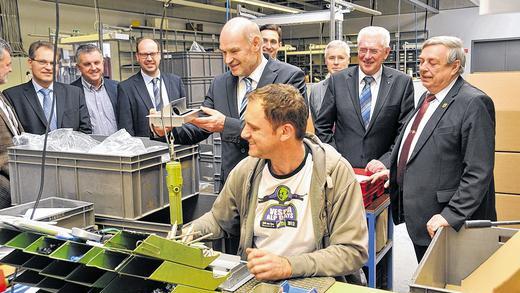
column 47, row 108
column 365, row 100
column 249, row 87
column 405, row 150
column 157, row 94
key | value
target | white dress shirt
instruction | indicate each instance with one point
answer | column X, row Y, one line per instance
column 374, row 87
column 149, row 87
column 255, row 77
column 434, row 104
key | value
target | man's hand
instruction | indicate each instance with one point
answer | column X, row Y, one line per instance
column 213, row 123
column 383, row 175
column 435, row 223
column 158, row 129
column 375, row 166
column 267, row 266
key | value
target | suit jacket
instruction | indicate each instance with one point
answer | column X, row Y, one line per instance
column 316, row 97
column 134, row 102
column 222, row 96
column 450, row 170
column 341, row 107
column 71, row 109
column 6, row 140
column 110, row 87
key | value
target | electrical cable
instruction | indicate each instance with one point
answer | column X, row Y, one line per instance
column 99, row 25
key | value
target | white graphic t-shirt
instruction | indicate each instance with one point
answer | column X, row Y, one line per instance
column 283, row 219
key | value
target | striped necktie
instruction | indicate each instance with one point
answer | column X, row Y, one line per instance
column 365, row 100
column 249, row 87
column 47, row 108
column 157, row 94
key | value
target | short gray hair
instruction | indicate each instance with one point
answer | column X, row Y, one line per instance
column 87, row 48
column 337, row 44
column 378, row 31
column 455, row 49
column 4, row 46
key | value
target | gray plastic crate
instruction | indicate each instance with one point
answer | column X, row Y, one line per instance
column 79, row 214
column 194, row 64
column 196, row 89
column 126, row 187
column 206, row 167
column 452, row 256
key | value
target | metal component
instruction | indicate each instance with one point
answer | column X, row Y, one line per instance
column 269, row 6
column 85, row 235
column 174, row 184
column 354, row 7
column 200, row 238
column 199, row 5
column 421, row 4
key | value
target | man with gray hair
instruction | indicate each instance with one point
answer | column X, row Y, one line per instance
column 368, row 104
column 226, row 101
column 442, row 166
column 9, row 125
column 100, row 92
column 337, row 57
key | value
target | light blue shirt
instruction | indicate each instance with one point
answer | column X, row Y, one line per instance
column 100, row 109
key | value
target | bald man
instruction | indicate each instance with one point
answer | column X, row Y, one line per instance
column 241, row 46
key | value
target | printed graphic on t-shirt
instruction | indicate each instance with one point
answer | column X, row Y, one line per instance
column 283, row 213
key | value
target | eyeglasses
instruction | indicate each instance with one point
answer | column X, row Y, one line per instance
column 43, row 62
column 145, row 55
column 366, row 50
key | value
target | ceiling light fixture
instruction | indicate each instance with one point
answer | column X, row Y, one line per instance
column 269, row 6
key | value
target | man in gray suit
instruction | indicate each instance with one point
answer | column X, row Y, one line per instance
column 442, row 166
column 337, row 57
column 367, row 104
column 9, row 126
column 226, row 100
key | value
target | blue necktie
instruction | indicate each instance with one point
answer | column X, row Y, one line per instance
column 365, row 99
column 249, row 87
column 47, row 108
column 157, row 94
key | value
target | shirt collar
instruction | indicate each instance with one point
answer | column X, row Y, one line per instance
column 376, row 76
column 90, row 86
column 444, row 92
column 257, row 73
column 147, row 79
column 38, row 87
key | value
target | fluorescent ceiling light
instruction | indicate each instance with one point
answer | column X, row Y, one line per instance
column 200, row 5
column 300, row 18
column 269, row 5
column 355, row 7
column 424, row 5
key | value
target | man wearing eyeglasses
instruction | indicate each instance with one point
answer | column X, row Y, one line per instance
column 148, row 89
column 367, row 104
column 33, row 101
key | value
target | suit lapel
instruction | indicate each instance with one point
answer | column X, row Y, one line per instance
column 142, row 91
column 436, row 117
column 384, row 89
column 231, row 94
column 168, row 83
column 353, row 92
column 32, row 99
column 60, row 95
column 269, row 74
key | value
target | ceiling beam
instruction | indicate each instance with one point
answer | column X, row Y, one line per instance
column 199, row 5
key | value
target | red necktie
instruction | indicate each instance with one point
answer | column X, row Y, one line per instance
column 405, row 150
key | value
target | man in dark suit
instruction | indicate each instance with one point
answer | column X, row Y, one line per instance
column 100, row 93
column 33, row 101
column 147, row 89
column 442, row 166
column 367, row 104
column 226, row 101
column 9, row 126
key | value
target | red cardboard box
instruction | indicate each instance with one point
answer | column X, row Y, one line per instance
column 370, row 191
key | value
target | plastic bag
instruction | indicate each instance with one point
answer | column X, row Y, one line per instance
column 63, row 140
column 120, row 143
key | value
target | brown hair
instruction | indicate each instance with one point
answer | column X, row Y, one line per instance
column 37, row 45
column 273, row 27
column 282, row 104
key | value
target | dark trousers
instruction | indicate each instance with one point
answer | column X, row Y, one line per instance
column 419, row 251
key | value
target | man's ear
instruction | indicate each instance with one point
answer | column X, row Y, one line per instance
column 286, row 131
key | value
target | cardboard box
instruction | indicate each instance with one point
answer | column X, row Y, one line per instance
column 498, row 85
column 381, row 230
column 506, row 172
column 508, row 208
column 500, row 273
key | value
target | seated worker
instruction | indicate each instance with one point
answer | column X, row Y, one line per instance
column 294, row 202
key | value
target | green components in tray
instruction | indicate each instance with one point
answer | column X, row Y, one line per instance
column 125, row 240
column 174, row 251
column 22, row 240
column 7, row 234
column 44, row 246
column 76, row 252
column 108, row 260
